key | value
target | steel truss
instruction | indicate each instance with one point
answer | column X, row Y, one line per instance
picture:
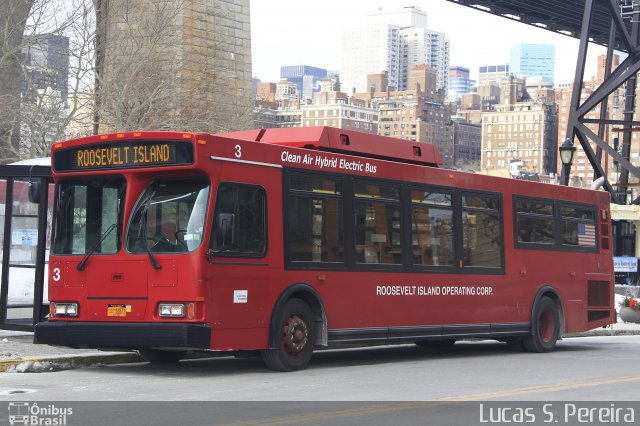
column 612, row 23
column 625, row 73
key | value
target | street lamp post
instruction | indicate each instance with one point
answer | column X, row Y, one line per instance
column 567, row 151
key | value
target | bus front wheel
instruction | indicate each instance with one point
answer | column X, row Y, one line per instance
column 546, row 327
column 293, row 338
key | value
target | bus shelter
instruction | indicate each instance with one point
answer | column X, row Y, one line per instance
column 626, row 221
column 26, row 195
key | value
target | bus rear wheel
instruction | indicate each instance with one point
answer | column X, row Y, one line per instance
column 546, row 327
column 293, row 339
column 158, row 356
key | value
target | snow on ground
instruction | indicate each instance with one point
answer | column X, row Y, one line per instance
column 39, row 366
column 619, row 300
column 21, row 285
column 630, row 291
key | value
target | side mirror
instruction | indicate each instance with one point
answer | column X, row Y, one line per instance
column 35, row 189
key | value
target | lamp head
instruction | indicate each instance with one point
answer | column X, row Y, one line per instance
column 567, row 151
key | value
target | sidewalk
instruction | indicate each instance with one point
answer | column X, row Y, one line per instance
column 18, row 354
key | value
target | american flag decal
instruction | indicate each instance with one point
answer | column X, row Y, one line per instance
column 586, row 235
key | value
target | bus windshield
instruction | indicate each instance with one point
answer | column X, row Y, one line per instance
column 85, row 211
column 169, row 217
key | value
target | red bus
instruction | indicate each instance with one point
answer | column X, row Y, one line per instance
column 283, row 240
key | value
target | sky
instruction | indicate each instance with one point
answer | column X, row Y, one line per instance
column 303, row 32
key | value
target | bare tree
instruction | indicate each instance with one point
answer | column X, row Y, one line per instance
column 13, row 20
column 80, row 117
column 137, row 87
column 467, row 165
column 40, row 100
column 131, row 64
column 166, row 70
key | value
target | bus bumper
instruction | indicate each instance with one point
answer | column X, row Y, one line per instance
column 123, row 336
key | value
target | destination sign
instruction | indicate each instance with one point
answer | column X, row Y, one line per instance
column 124, row 154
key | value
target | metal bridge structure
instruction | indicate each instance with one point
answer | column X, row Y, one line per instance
column 610, row 23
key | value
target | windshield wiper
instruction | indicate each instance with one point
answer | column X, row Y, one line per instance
column 142, row 230
column 84, row 260
column 153, row 260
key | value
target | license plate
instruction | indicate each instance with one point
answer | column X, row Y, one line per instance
column 117, row 311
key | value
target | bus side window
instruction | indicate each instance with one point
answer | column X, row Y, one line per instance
column 432, row 228
column 534, row 222
column 377, row 223
column 314, row 225
column 240, row 221
column 578, row 226
column 553, row 224
column 482, row 230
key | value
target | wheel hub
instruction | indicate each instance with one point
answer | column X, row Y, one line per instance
column 295, row 335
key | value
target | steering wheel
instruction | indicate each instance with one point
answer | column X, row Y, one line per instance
column 159, row 239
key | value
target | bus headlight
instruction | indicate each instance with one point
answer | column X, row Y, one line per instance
column 65, row 309
column 173, row 310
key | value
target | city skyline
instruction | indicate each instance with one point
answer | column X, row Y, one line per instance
column 312, row 36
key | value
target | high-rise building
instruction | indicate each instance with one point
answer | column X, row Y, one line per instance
column 522, row 132
column 438, row 58
column 287, row 94
column 403, row 17
column 492, row 73
column 459, row 82
column 417, row 114
column 602, row 66
column 46, row 60
column 536, row 62
column 512, row 90
column 467, row 138
column 305, row 78
column 44, row 93
column 369, row 50
column 394, row 41
column 327, row 110
column 414, row 51
column 497, row 85
column 329, row 107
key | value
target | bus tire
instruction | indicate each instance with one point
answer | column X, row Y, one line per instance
column 546, row 327
column 157, row 356
column 293, row 337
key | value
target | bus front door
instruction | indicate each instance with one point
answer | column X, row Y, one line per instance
column 240, row 260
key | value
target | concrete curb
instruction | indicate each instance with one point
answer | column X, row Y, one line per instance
column 603, row 332
column 32, row 364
